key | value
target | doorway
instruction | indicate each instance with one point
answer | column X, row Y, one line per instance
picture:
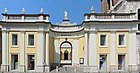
column 66, row 55
column 121, row 62
column 31, row 62
column 103, row 62
column 14, row 62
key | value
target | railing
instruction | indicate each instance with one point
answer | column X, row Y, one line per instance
column 122, row 17
column 110, row 16
column 14, row 17
column 103, row 17
column 67, row 28
column 31, row 18
column 25, row 17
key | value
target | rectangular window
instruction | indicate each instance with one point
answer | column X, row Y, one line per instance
column 14, row 62
column 102, row 40
column 14, row 39
column 121, row 39
column 31, row 62
column 31, row 40
column 103, row 62
column 121, row 62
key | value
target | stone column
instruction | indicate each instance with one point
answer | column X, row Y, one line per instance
column 132, row 51
column 56, row 52
column 86, row 48
column 4, row 66
column 113, row 65
column 22, row 64
column 40, row 54
column 92, row 52
column 47, row 53
column 75, row 52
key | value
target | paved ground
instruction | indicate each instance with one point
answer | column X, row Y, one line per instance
column 70, row 70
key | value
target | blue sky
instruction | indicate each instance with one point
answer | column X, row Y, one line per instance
column 55, row 8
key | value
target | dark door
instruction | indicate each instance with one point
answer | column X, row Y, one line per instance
column 66, row 55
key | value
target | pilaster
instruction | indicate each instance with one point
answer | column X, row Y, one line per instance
column 92, row 52
column 47, row 53
column 86, row 48
column 113, row 65
column 132, row 51
column 4, row 66
column 56, row 52
column 40, row 57
column 22, row 64
column 75, row 52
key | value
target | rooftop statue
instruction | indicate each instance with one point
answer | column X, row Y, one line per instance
column 23, row 11
column 92, row 9
column 65, row 15
column 41, row 11
column 5, row 11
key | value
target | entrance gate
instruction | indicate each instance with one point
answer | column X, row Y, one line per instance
column 66, row 53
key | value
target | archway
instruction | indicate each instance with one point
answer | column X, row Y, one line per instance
column 66, row 53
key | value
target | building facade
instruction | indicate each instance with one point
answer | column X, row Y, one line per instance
column 103, row 42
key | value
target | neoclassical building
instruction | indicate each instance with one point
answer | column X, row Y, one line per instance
column 107, row 41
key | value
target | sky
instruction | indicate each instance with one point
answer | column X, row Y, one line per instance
column 55, row 8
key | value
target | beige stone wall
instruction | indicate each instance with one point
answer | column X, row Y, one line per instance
column 51, row 49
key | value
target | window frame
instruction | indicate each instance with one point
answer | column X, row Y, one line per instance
column 28, row 40
column 106, row 42
column 124, row 45
column 14, row 33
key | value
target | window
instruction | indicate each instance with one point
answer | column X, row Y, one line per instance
column 14, row 40
column 31, row 40
column 121, row 62
column 121, row 39
column 103, row 40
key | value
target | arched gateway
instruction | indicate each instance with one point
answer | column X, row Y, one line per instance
column 66, row 37
column 66, row 53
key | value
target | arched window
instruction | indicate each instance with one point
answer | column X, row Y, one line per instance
column 138, row 14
